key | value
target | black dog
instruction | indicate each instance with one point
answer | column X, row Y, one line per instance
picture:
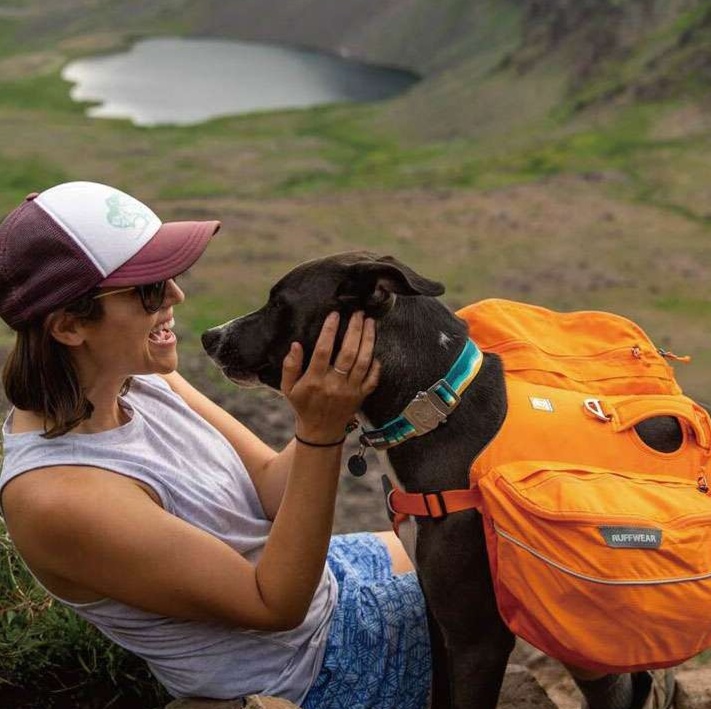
column 418, row 340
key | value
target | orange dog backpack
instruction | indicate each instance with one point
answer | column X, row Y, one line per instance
column 599, row 545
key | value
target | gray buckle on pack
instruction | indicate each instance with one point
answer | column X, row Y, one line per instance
column 594, row 406
column 428, row 410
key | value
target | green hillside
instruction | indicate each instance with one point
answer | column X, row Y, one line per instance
column 555, row 152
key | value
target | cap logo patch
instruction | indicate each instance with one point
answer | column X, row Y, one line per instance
column 127, row 213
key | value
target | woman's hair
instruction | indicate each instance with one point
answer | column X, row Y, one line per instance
column 39, row 374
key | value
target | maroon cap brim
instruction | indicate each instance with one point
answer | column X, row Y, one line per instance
column 174, row 248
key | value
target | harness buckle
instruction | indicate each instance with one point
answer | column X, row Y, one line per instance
column 388, row 490
column 594, row 406
column 428, row 409
column 440, row 501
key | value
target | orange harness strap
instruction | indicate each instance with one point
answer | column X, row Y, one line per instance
column 436, row 504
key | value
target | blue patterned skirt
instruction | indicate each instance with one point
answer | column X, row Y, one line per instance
column 378, row 649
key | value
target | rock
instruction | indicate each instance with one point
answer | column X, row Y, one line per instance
column 195, row 703
column 526, row 655
column 255, row 702
column 693, row 688
column 251, row 702
column 521, row 690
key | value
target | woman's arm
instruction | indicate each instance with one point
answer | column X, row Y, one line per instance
column 100, row 532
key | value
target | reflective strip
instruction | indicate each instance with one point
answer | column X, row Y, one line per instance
column 606, row 582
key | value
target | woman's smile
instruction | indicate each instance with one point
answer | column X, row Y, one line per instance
column 162, row 334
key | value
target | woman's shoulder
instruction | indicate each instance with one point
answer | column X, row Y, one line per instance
column 23, row 421
column 58, row 505
column 42, row 493
column 55, row 481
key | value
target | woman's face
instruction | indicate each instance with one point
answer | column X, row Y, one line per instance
column 127, row 340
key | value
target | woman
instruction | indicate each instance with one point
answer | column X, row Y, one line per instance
column 156, row 515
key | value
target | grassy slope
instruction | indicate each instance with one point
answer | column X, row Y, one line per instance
column 487, row 151
column 514, row 118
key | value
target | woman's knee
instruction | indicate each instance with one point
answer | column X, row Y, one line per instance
column 401, row 562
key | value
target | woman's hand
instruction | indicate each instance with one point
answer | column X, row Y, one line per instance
column 326, row 397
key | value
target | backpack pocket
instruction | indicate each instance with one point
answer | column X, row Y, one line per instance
column 603, row 569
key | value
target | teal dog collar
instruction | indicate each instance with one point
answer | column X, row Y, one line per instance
column 428, row 409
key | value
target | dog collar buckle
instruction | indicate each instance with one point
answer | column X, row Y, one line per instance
column 428, row 409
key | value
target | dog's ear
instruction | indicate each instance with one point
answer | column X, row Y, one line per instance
column 370, row 284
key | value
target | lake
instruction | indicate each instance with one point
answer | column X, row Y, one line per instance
column 186, row 81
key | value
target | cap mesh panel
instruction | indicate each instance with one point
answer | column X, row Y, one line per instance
column 41, row 267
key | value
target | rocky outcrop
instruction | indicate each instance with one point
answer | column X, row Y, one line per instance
column 521, row 690
column 251, row 702
column 693, row 688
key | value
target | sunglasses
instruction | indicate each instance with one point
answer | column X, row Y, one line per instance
column 152, row 295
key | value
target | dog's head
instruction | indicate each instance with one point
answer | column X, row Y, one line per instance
column 253, row 347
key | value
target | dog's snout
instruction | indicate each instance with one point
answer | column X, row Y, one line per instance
column 211, row 340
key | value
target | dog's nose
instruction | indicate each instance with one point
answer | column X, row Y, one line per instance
column 211, row 340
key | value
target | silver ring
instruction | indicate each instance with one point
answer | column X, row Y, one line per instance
column 340, row 371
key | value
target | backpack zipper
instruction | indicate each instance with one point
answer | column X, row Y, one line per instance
column 582, row 517
column 509, row 344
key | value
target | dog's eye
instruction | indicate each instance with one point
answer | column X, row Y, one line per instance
column 277, row 305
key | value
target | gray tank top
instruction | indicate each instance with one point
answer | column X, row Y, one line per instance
column 199, row 478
